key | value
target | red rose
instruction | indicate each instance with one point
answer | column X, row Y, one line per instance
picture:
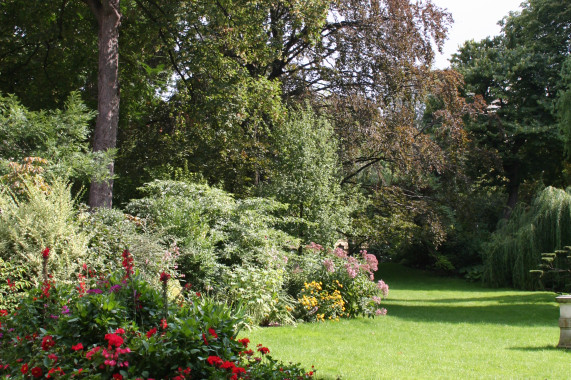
column 264, row 350
column 24, row 369
column 37, row 372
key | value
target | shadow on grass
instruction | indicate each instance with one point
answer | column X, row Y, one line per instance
column 541, row 349
column 513, row 314
column 530, row 298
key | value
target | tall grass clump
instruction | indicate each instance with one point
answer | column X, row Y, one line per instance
column 516, row 247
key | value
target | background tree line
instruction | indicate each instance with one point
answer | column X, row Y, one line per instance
column 329, row 106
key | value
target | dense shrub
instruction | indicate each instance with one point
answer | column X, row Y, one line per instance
column 329, row 284
column 231, row 248
column 119, row 326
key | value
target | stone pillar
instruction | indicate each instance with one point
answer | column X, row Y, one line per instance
column 564, row 321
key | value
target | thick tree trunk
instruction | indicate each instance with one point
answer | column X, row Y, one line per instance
column 108, row 17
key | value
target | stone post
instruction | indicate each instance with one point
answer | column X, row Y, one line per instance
column 564, row 321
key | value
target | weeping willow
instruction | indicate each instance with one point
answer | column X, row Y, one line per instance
column 516, row 247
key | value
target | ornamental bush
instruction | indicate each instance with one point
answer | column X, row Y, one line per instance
column 120, row 327
column 330, row 284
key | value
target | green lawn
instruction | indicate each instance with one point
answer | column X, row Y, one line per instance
column 435, row 328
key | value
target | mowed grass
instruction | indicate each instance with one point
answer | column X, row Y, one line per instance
column 436, row 328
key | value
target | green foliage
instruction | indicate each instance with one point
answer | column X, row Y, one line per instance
column 38, row 220
column 13, row 284
column 306, row 175
column 208, row 224
column 111, row 231
column 516, row 247
column 260, row 293
column 60, row 136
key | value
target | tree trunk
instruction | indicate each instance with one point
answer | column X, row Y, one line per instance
column 513, row 191
column 108, row 17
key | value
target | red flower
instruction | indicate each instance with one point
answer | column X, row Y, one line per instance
column 53, row 357
column 119, row 331
column 244, row 342
column 164, row 324
column 165, row 277
column 46, row 253
column 77, row 347
column 227, row 365
column 114, row 340
column 264, row 350
column 214, row 360
column 3, row 313
column 151, row 332
column 54, row 370
column 37, row 372
column 117, row 376
column 213, row 333
column 238, row 370
column 204, row 339
column 48, row 342
column 198, row 294
column 127, row 262
column 24, row 369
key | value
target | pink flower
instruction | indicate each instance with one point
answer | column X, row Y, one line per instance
column 329, row 265
column 383, row 287
column 381, row 311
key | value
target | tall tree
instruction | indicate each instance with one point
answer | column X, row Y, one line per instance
column 518, row 74
column 108, row 15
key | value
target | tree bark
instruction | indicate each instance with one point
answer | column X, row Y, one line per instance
column 108, row 16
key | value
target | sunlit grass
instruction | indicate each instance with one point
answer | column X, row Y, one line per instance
column 436, row 328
